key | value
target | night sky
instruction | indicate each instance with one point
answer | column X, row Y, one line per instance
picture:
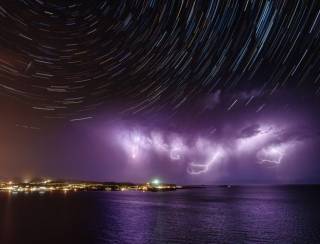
column 189, row 91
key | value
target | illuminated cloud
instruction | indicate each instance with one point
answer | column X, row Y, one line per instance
column 158, row 142
column 254, row 138
column 177, row 148
column 260, row 143
column 134, row 143
column 199, row 155
column 272, row 155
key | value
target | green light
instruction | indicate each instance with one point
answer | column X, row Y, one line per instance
column 156, row 182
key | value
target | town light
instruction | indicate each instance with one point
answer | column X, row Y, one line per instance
column 156, row 182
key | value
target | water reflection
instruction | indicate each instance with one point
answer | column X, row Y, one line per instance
column 214, row 215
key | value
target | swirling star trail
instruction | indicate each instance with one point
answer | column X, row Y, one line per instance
column 186, row 69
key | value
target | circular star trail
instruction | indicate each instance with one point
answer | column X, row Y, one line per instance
column 67, row 59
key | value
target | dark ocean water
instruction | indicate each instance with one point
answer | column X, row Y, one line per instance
column 212, row 215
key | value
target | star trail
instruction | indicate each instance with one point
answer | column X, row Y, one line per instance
column 67, row 59
column 190, row 81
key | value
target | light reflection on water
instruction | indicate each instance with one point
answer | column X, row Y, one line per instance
column 212, row 215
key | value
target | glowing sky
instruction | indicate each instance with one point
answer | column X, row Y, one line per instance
column 188, row 91
column 234, row 150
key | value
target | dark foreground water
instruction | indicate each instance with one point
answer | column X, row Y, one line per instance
column 212, row 215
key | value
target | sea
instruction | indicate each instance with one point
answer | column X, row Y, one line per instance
column 217, row 214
